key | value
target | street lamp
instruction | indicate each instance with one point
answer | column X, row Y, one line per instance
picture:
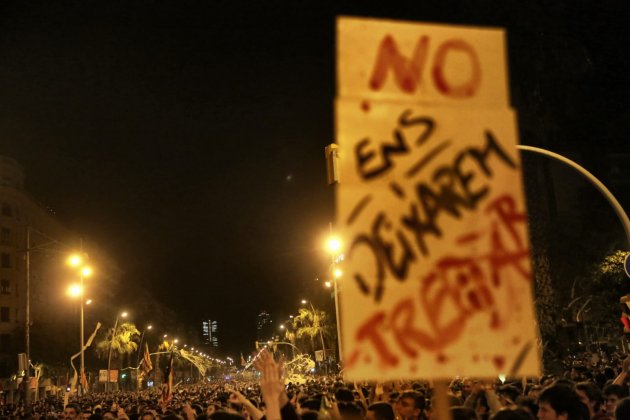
column 109, row 357
column 333, row 245
column 76, row 260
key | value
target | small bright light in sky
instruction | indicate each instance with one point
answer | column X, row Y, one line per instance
column 289, row 177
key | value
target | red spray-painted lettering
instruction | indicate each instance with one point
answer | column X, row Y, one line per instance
column 466, row 283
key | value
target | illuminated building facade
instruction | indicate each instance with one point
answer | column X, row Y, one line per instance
column 54, row 317
column 264, row 327
column 210, row 333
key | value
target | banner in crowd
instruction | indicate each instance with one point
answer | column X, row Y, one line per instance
column 437, row 278
column 113, row 375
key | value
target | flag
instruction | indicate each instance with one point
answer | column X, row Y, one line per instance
column 147, row 366
column 167, row 387
column 243, row 363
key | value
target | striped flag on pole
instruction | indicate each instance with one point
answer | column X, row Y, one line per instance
column 147, row 366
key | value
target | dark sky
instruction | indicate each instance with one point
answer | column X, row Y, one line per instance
column 187, row 137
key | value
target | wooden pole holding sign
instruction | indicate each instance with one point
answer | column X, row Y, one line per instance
column 430, row 205
column 440, row 393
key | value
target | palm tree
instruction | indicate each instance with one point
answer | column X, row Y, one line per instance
column 121, row 341
column 291, row 337
column 311, row 323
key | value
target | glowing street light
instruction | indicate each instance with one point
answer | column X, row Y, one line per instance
column 75, row 290
column 333, row 244
column 75, row 260
column 328, row 284
column 88, row 302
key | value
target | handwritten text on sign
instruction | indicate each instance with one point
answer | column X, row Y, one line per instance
column 437, row 279
column 449, row 65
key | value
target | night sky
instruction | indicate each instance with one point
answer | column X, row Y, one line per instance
column 187, row 137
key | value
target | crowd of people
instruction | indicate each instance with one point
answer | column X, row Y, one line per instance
column 591, row 388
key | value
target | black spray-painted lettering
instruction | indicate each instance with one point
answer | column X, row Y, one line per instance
column 371, row 165
column 449, row 190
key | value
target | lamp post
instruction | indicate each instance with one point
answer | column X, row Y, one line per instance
column 27, row 316
column 109, row 357
column 84, row 271
column 333, row 246
column 619, row 211
column 149, row 328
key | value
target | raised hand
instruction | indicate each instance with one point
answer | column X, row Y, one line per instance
column 271, row 384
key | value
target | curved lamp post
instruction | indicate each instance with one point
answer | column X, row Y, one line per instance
column 621, row 214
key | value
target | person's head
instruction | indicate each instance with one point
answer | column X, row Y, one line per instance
column 560, row 402
column 344, row 395
column 86, row 412
column 508, row 395
column 590, row 395
column 224, row 415
column 380, row 411
column 147, row 415
column 410, row 405
column 512, row 414
column 527, row 404
column 612, row 394
column 310, row 404
column 534, row 391
column 463, row 413
column 467, row 387
column 622, row 411
column 71, row 412
column 349, row 410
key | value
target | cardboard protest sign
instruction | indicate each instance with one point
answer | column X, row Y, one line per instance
column 437, row 278
column 449, row 65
